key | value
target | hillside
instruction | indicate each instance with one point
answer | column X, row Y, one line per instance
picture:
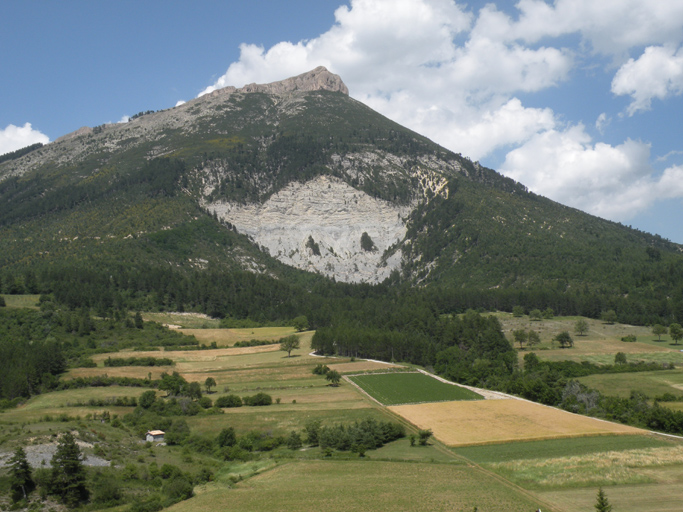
column 297, row 175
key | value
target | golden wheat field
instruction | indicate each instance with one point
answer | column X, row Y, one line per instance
column 498, row 421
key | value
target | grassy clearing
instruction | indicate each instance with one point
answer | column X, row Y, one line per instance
column 554, row 448
column 183, row 320
column 598, row 469
column 405, row 388
column 502, row 421
column 650, row 383
column 22, row 301
column 600, row 343
column 228, row 337
column 364, row 485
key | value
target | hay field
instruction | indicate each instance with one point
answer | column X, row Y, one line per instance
column 361, row 366
column 664, row 496
column 359, row 486
column 499, row 421
column 228, row 337
column 633, row 467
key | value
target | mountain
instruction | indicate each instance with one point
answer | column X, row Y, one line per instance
column 298, row 174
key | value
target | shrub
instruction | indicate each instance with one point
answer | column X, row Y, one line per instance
column 228, row 401
column 321, row 369
column 258, row 399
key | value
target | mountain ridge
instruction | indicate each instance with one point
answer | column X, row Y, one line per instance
column 234, row 154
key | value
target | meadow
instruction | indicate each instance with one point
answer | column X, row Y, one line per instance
column 408, row 388
column 598, row 345
column 22, row 301
column 365, row 485
column 650, row 383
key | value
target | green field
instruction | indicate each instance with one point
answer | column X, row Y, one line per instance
column 559, row 448
column 650, row 383
column 365, row 485
column 410, row 388
column 22, row 301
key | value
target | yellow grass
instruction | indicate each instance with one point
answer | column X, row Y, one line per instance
column 361, row 366
column 225, row 337
column 664, row 495
column 498, row 421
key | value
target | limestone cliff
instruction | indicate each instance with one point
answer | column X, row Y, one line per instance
column 331, row 214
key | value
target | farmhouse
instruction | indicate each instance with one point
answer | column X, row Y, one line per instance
column 154, row 436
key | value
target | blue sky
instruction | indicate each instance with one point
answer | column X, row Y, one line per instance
column 579, row 100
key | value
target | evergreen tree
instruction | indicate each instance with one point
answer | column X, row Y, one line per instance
column 21, row 481
column 602, row 504
column 138, row 320
column 67, row 479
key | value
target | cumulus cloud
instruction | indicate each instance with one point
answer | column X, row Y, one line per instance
column 180, row 102
column 400, row 57
column 657, row 73
column 610, row 27
column 457, row 75
column 17, row 137
column 614, row 182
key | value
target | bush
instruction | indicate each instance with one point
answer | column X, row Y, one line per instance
column 205, row 402
column 258, row 399
column 228, row 401
column 227, row 437
column 321, row 369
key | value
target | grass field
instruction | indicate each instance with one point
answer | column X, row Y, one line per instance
column 632, row 467
column 650, row 383
column 501, row 421
column 410, row 388
column 228, row 337
column 567, row 447
column 599, row 344
column 663, row 495
column 365, row 485
column 22, row 301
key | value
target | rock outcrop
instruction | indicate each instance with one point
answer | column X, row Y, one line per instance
column 318, row 226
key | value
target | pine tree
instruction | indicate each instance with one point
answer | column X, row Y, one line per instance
column 21, row 481
column 68, row 477
column 602, row 504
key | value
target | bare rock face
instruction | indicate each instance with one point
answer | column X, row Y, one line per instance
column 318, row 226
column 320, row 79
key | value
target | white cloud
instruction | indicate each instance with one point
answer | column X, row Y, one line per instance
column 456, row 76
column 602, row 121
column 180, row 102
column 657, row 73
column 614, row 182
column 611, row 27
column 400, row 58
column 124, row 119
column 17, row 137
